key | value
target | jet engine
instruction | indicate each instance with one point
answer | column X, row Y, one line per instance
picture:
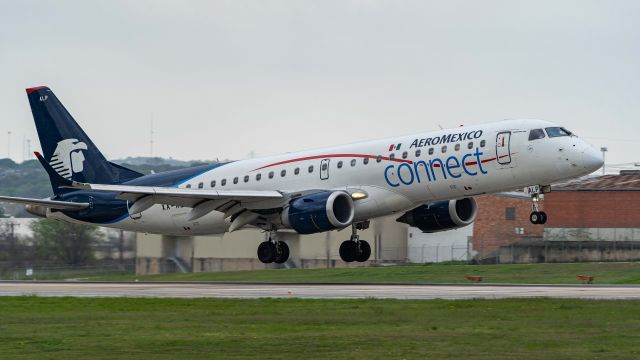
column 442, row 215
column 318, row 212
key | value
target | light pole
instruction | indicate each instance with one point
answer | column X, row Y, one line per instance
column 604, row 150
column 8, row 144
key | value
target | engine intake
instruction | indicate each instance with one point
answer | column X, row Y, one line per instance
column 322, row 211
column 442, row 215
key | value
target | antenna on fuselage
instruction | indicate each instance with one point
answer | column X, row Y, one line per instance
column 440, row 126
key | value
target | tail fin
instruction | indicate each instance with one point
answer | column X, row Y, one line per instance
column 65, row 145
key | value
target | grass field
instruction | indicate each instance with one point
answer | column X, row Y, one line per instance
column 75, row 328
column 604, row 273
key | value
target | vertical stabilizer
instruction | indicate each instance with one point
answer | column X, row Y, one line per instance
column 66, row 147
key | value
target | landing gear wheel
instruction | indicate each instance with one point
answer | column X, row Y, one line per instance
column 267, row 252
column 535, row 217
column 348, row 251
column 365, row 251
column 543, row 217
column 282, row 250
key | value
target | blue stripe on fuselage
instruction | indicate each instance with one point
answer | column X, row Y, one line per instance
column 173, row 178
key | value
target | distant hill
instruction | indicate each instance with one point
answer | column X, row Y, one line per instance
column 28, row 179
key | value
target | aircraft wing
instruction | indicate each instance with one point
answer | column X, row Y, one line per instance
column 53, row 204
column 236, row 204
column 183, row 197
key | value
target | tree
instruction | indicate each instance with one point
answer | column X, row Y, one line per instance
column 2, row 214
column 64, row 242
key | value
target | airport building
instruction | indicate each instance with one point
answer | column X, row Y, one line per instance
column 237, row 250
column 590, row 219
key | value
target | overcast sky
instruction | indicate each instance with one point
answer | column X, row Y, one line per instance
column 223, row 78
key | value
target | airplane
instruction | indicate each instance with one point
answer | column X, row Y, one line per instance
column 429, row 179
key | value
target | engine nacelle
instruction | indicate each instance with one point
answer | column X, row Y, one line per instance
column 322, row 211
column 442, row 215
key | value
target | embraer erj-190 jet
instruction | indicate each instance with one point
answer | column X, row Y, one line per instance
column 428, row 179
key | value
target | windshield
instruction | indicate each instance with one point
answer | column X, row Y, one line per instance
column 557, row 131
column 536, row 134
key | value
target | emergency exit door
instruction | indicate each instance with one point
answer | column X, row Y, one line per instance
column 324, row 169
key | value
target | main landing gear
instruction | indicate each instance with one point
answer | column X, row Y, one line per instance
column 537, row 217
column 273, row 251
column 355, row 249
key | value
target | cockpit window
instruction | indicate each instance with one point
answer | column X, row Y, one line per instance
column 557, row 131
column 536, row 134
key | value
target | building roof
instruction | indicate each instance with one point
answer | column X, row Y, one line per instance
column 623, row 182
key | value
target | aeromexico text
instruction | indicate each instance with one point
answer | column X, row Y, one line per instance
column 436, row 168
column 448, row 138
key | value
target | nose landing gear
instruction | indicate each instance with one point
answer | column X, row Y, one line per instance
column 273, row 250
column 537, row 217
column 355, row 249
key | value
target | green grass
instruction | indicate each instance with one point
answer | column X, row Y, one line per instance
column 604, row 273
column 76, row 328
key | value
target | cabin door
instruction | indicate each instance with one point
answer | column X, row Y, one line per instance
column 503, row 148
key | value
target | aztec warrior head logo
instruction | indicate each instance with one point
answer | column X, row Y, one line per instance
column 68, row 158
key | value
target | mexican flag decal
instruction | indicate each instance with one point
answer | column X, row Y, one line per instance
column 395, row 147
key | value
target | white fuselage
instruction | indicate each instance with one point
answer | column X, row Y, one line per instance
column 397, row 174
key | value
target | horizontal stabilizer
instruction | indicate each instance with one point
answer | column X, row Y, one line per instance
column 53, row 204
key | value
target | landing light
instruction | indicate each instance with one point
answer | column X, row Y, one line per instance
column 359, row 195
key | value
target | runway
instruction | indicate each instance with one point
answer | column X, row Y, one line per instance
column 314, row 291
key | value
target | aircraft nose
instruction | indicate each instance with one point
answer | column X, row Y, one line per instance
column 592, row 159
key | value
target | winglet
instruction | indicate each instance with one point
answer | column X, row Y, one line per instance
column 57, row 181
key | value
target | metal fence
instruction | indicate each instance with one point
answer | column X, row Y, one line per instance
column 565, row 251
column 65, row 272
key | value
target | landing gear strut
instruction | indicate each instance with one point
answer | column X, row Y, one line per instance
column 273, row 250
column 537, row 217
column 355, row 249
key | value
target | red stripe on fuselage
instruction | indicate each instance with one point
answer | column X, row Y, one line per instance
column 363, row 156
column 334, row 156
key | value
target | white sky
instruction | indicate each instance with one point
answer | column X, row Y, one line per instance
column 222, row 78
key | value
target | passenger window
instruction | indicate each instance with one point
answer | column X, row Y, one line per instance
column 444, row 149
column 470, row 145
column 430, row 151
column 296, row 171
column 235, row 180
column 270, row 174
column 310, row 169
column 483, row 143
column 392, row 157
column 353, row 162
column 200, row 185
column 557, row 132
column 258, row 177
column 283, row 173
column 188, row 186
column 246, row 178
column 536, row 134
column 379, row 158
column 223, row 182
column 457, row 147
column 405, row 155
column 339, row 164
column 418, row 152
column 213, row 183
column 365, row 161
